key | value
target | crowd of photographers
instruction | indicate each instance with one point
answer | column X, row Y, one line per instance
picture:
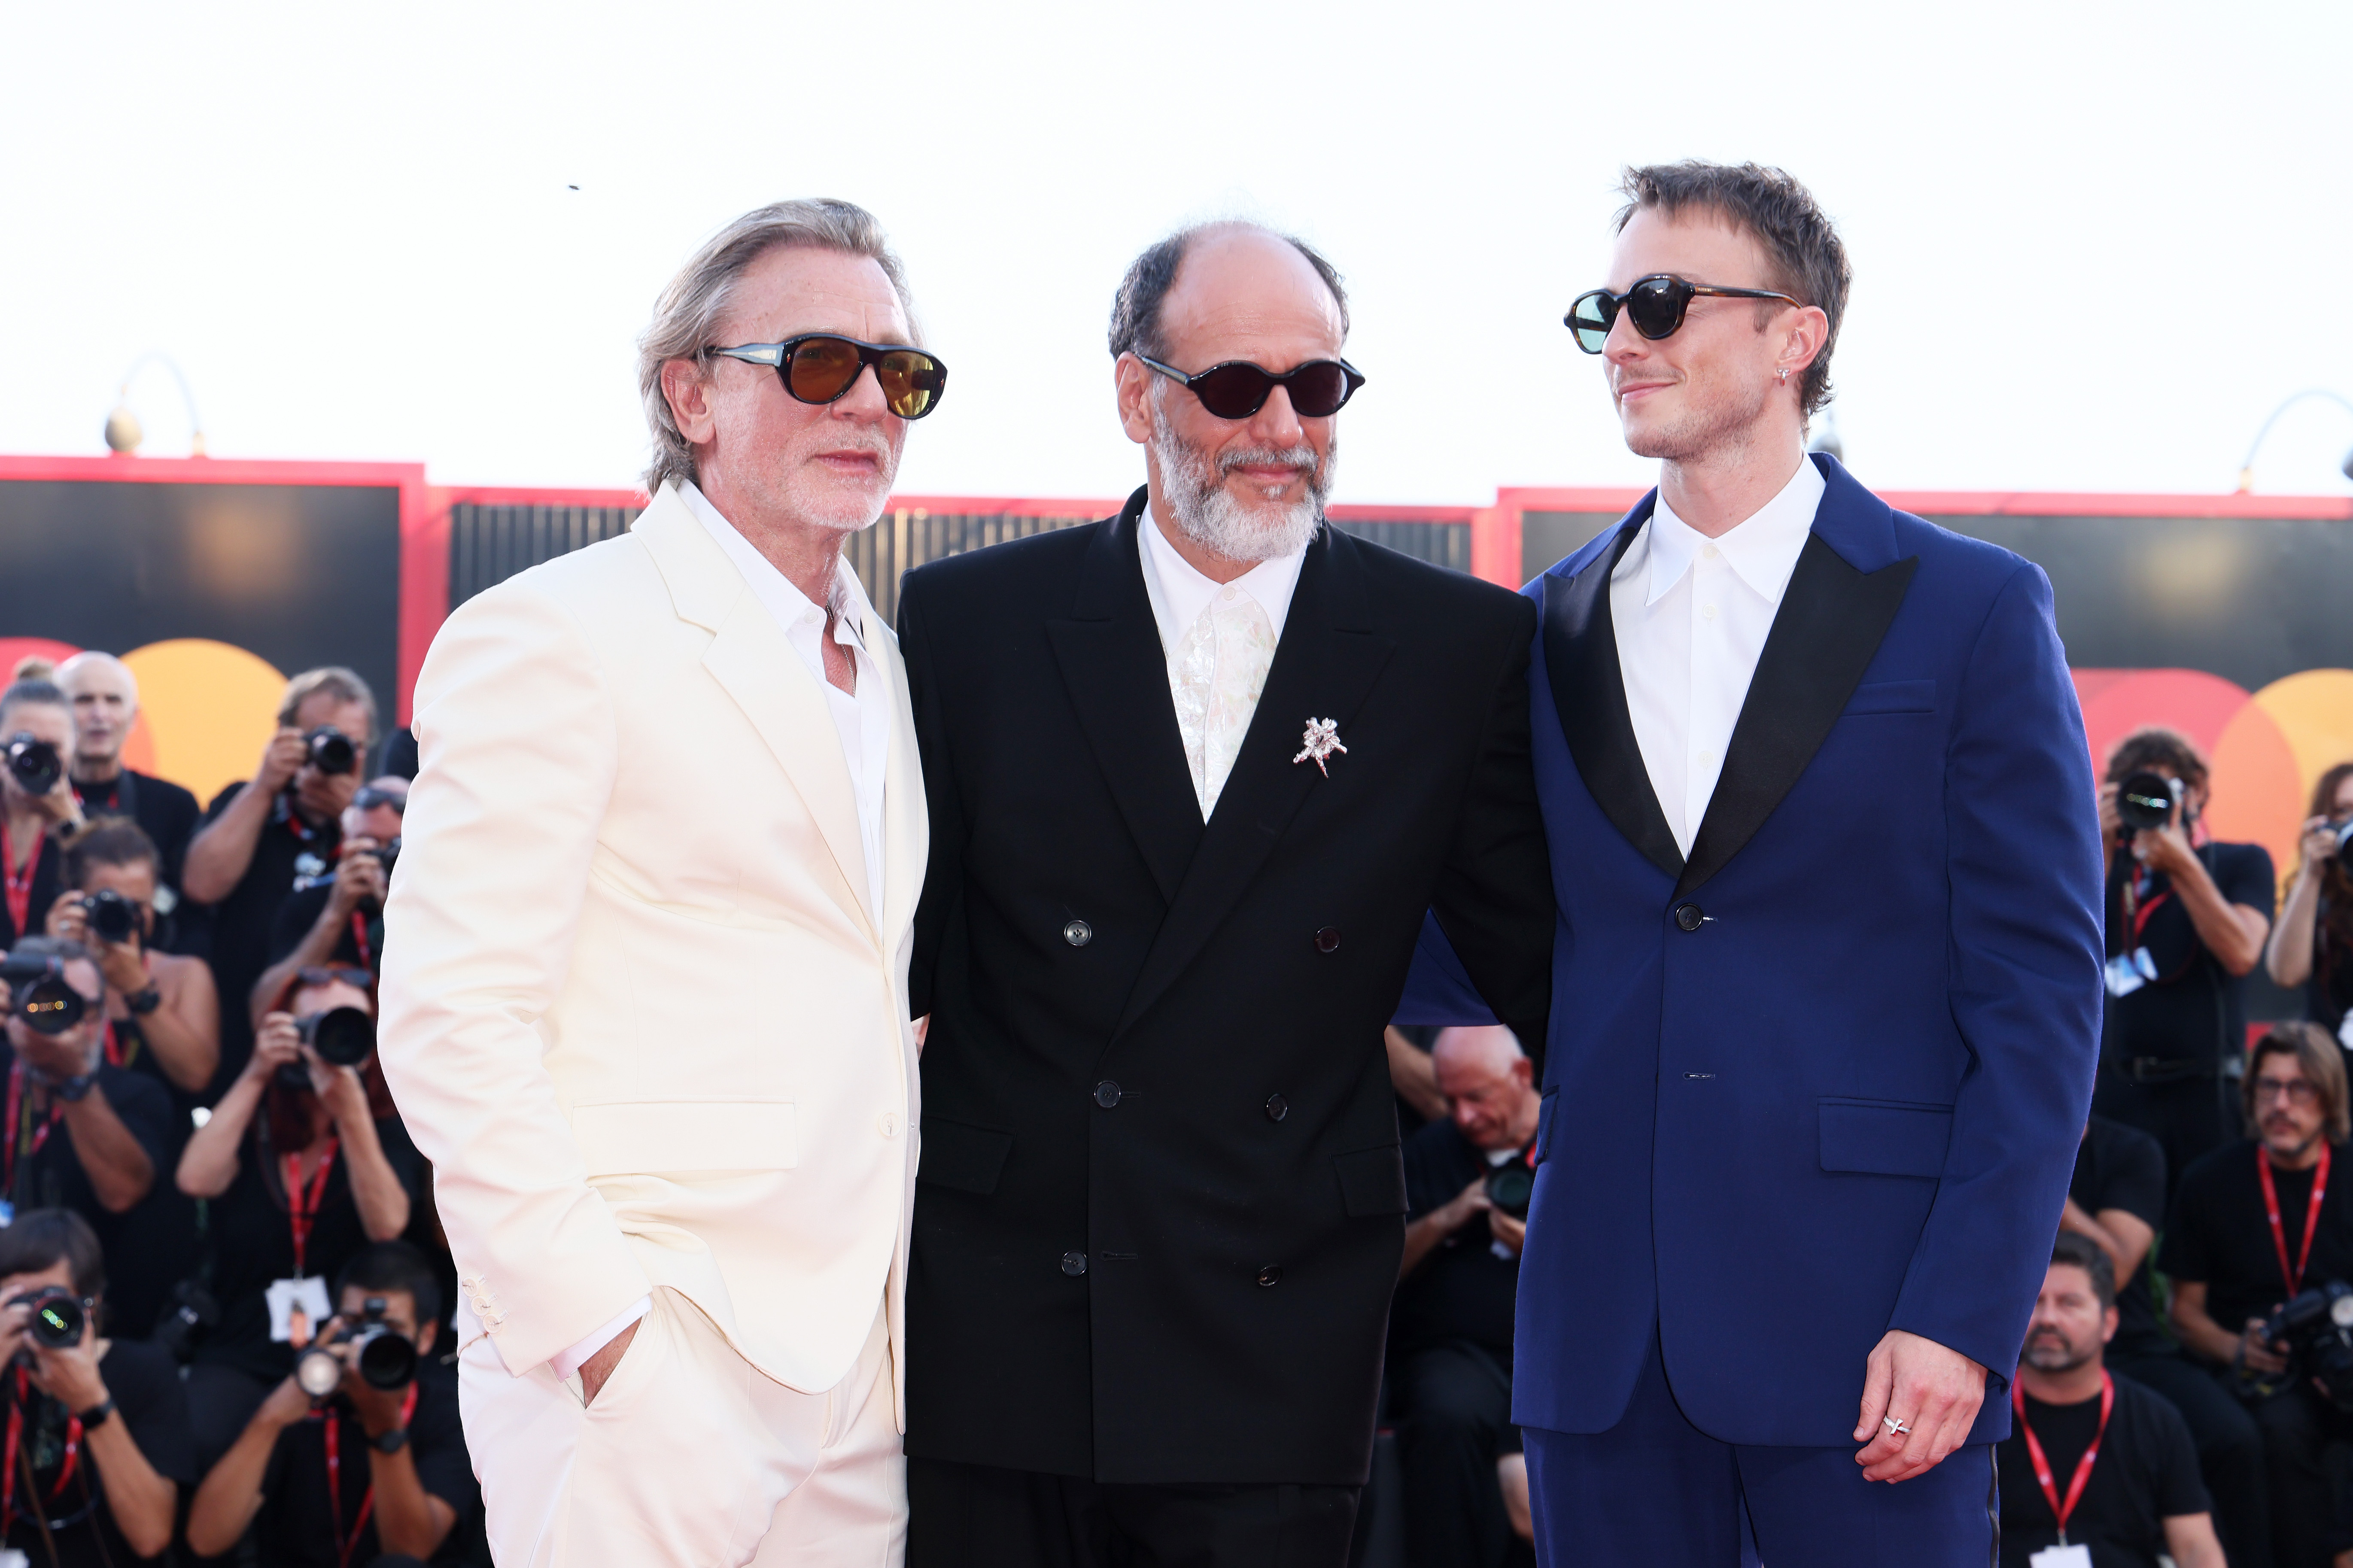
column 222, row 1287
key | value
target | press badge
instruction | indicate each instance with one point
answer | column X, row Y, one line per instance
column 296, row 1309
column 2129, row 972
column 2062, row 1557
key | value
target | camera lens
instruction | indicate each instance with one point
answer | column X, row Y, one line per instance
column 33, row 764
column 1510, row 1188
column 113, row 917
column 2345, row 839
column 386, row 1359
column 317, row 1371
column 343, row 1037
column 41, row 997
column 2144, row 801
column 331, row 751
column 386, row 855
column 56, row 1318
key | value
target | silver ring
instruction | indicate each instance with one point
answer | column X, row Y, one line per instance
column 1894, row 1428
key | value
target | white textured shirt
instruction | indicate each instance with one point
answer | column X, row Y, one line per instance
column 1690, row 616
column 1180, row 592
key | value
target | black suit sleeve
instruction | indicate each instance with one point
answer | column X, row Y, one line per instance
column 1494, row 898
column 943, row 872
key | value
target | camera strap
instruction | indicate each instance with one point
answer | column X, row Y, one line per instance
column 19, row 886
column 2295, row 1277
column 2062, row 1509
column 15, row 1440
column 302, row 1207
column 20, row 1115
column 334, row 1437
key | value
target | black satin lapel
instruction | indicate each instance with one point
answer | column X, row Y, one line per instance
column 1117, row 675
column 1588, row 689
column 1325, row 667
column 1831, row 622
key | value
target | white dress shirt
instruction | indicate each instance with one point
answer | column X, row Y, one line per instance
column 1180, row 592
column 862, row 719
column 1690, row 616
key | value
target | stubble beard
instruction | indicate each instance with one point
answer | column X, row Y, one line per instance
column 2049, row 1353
column 1715, row 430
column 1211, row 515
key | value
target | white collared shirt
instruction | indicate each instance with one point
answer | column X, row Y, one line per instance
column 863, row 719
column 1180, row 592
column 1690, row 616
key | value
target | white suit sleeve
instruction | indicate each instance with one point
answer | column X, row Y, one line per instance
column 517, row 747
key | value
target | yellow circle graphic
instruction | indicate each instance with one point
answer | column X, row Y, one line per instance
column 209, row 707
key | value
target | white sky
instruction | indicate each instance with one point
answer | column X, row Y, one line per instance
column 2094, row 243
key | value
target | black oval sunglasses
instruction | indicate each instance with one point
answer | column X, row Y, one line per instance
column 1654, row 304
column 821, row 367
column 1238, row 389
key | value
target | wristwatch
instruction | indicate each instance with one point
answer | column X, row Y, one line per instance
column 143, row 1002
column 96, row 1416
column 391, row 1442
column 77, row 1086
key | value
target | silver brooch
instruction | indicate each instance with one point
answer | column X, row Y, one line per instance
column 1322, row 738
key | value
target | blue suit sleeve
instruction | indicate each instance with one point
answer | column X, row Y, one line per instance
column 2023, row 867
column 1438, row 989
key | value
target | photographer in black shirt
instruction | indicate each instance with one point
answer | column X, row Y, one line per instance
column 1449, row 1365
column 2253, row 1224
column 2092, row 1460
column 2185, row 923
column 105, row 697
column 337, row 917
column 2312, row 946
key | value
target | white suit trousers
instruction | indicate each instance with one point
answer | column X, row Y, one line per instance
column 687, row 1459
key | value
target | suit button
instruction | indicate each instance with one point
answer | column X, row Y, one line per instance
column 1328, row 940
column 1269, row 1275
column 1074, row 1264
column 1077, row 933
column 889, row 1125
column 1277, row 1108
column 1106, row 1094
column 1690, row 917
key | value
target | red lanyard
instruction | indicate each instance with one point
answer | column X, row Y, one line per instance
column 16, row 1438
column 17, row 1117
column 19, row 887
column 302, row 1208
column 335, row 1476
column 2295, row 1277
column 2062, row 1511
column 359, row 937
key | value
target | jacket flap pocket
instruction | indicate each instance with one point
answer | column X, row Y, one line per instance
column 1885, row 1137
column 1372, row 1181
column 962, row 1157
column 1894, row 697
column 1543, row 1125
column 664, row 1136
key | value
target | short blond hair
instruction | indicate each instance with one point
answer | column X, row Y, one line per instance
column 333, row 680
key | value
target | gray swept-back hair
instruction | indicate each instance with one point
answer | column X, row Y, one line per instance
column 687, row 315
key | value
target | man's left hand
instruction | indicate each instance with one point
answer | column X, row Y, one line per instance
column 1512, row 1233
column 1933, row 1391
column 2164, row 849
column 71, row 1375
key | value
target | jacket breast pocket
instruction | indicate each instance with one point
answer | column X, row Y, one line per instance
column 1893, row 697
column 1372, row 1181
column 962, row 1157
column 1885, row 1137
column 666, row 1137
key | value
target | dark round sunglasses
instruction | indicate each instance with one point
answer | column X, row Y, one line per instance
column 821, row 367
column 1654, row 304
column 1238, row 389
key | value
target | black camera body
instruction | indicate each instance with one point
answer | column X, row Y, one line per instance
column 39, row 993
column 2146, row 801
column 33, row 764
column 2315, row 1329
column 385, row 1358
column 111, row 917
column 57, row 1317
column 343, row 1037
column 331, row 750
column 1512, row 1186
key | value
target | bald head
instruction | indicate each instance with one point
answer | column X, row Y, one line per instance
column 1270, row 262
column 105, row 698
column 1489, row 1084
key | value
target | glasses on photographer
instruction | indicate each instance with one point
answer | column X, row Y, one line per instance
column 370, row 797
column 821, row 367
column 2294, row 1090
column 1655, row 305
column 1239, row 389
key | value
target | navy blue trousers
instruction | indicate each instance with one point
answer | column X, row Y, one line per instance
column 1654, row 1492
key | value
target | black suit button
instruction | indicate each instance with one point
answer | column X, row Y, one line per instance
column 1077, row 933
column 1277, row 1108
column 1269, row 1275
column 1690, row 917
column 1328, row 940
column 1074, row 1264
column 1106, row 1094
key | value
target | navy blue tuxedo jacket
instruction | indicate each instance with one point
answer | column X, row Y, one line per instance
column 1824, row 1077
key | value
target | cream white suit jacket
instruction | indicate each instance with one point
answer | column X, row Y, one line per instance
column 634, row 1008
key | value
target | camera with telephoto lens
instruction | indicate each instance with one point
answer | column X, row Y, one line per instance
column 384, row 1357
column 1512, row 1186
column 2146, row 801
column 33, row 764
column 331, row 750
column 56, row 1318
column 2345, row 840
column 111, row 917
column 2315, row 1330
column 39, row 994
column 343, row 1037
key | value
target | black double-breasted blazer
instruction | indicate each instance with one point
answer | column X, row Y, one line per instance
column 1160, row 1206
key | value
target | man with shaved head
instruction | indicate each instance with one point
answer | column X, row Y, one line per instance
column 1195, row 772
column 105, row 698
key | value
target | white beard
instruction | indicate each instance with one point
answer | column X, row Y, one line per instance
column 1211, row 515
